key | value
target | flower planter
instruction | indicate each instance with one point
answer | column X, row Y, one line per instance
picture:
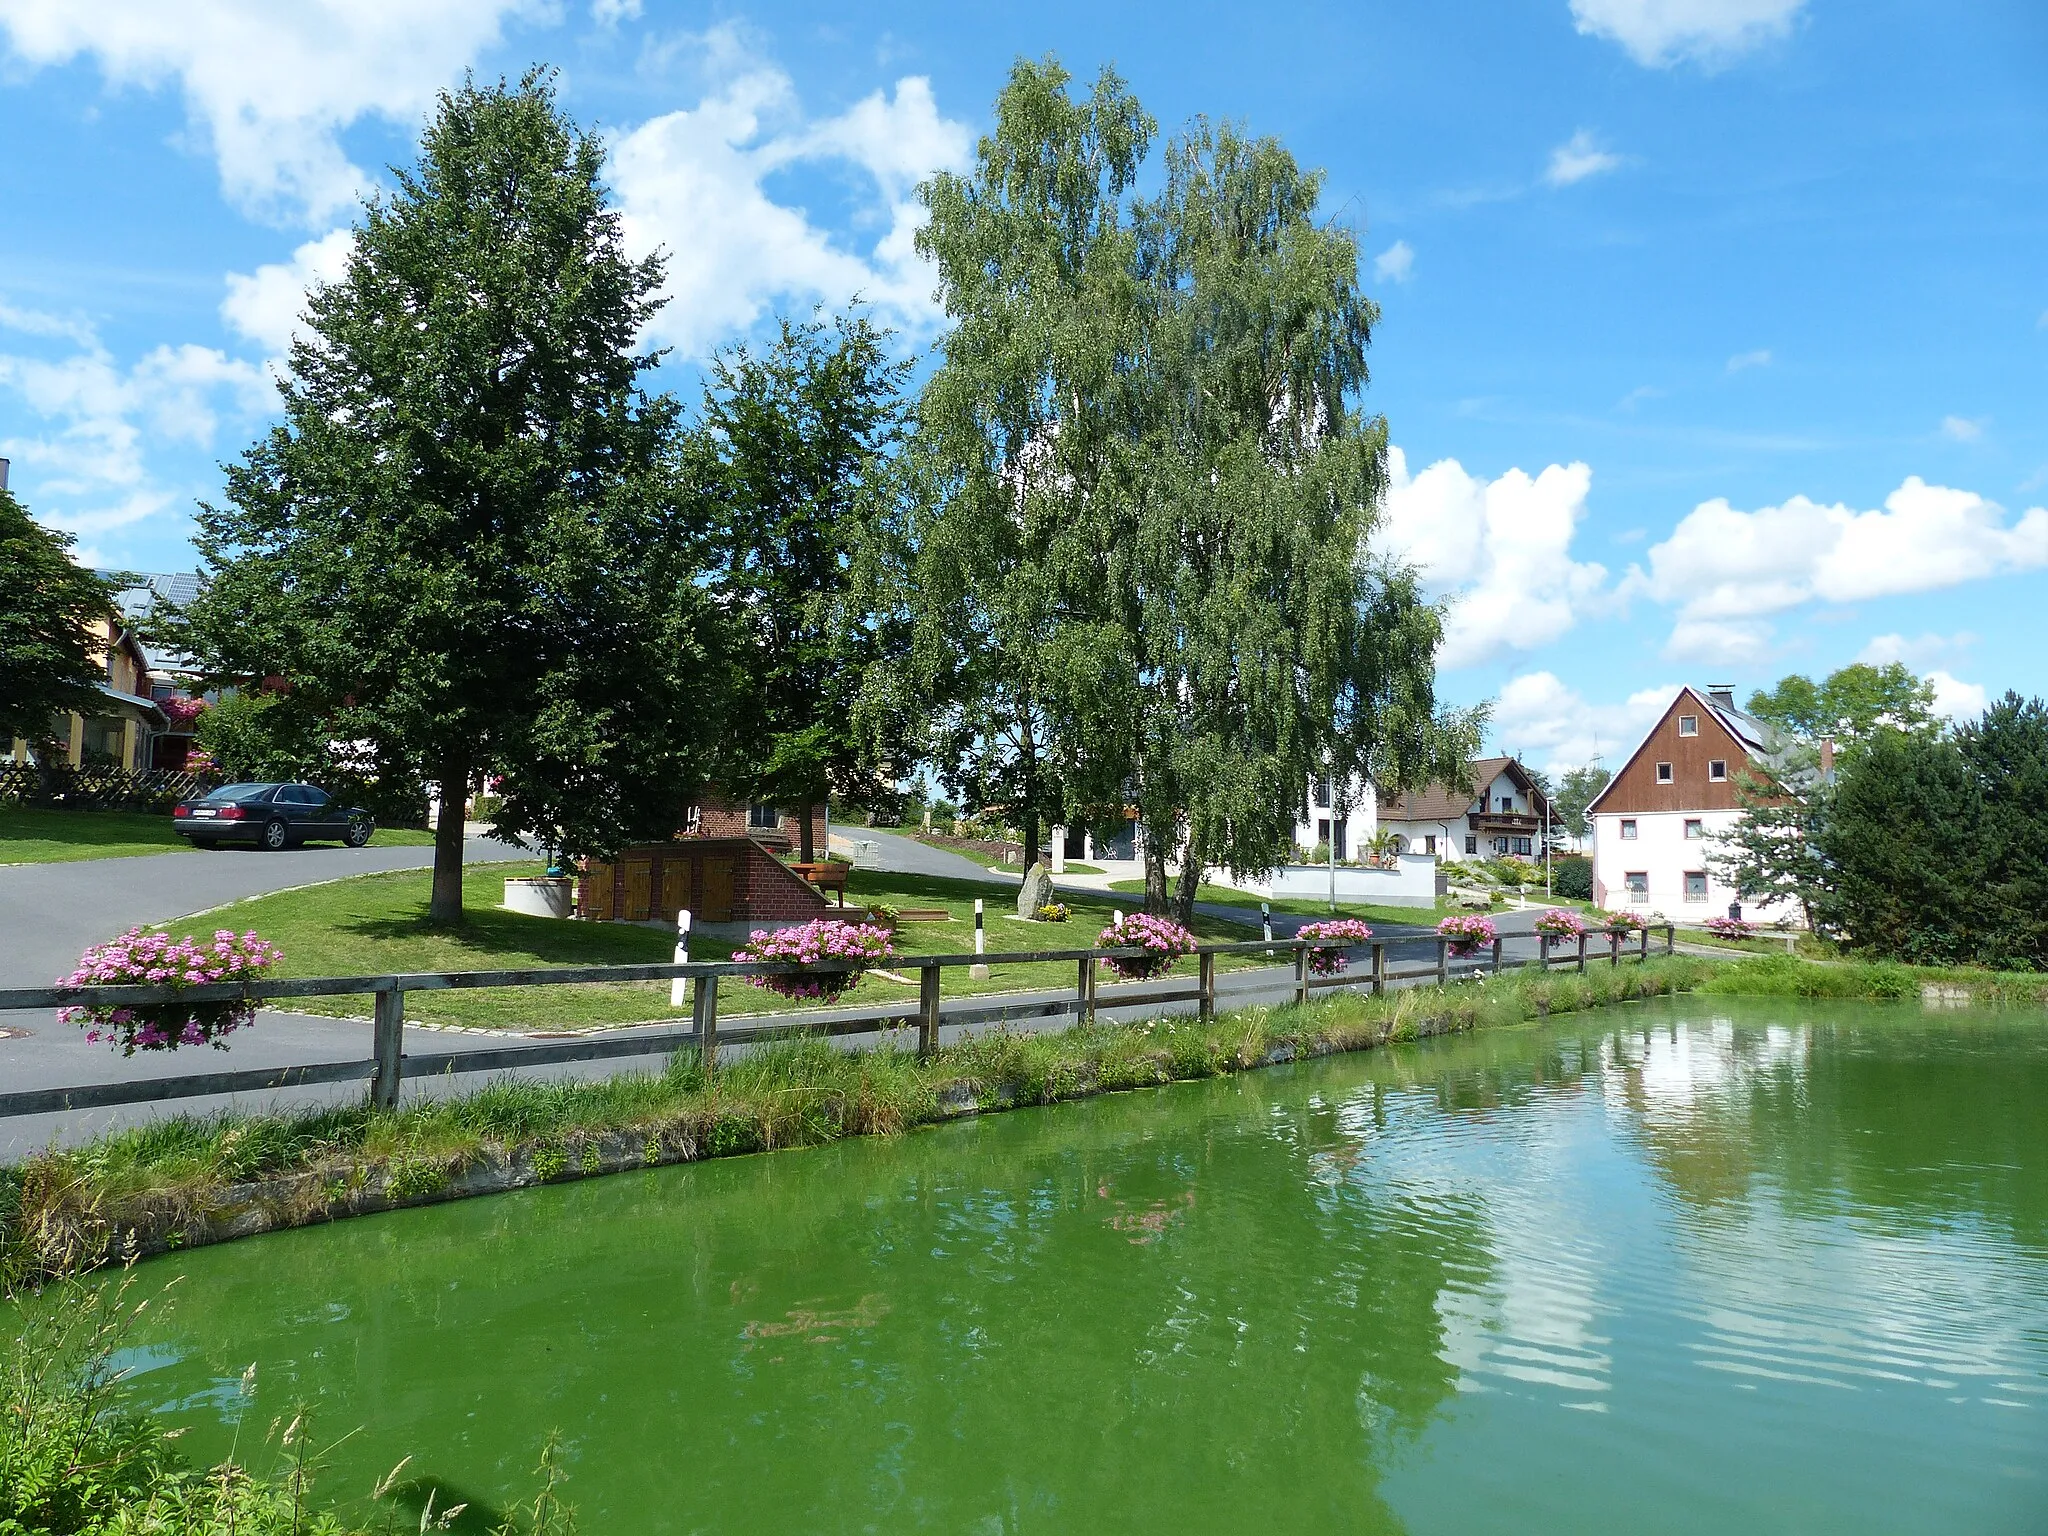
column 541, row 897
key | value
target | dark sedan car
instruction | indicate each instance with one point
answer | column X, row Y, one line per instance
column 271, row 816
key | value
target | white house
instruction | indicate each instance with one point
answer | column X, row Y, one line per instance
column 1656, row 824
column 1503, row 817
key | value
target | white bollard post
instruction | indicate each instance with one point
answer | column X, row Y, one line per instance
column 1059, row 850
column 978, row 972
column 679, row 989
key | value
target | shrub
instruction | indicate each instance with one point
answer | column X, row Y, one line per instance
column 1560, row 924
column 1165, row 940
column 1467, row 932
column 1328, row 960
column 156, row 959
column 1572, row 878
column 1054, row 912
column 825, row 940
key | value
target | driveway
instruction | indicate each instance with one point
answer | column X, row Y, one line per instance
column 890, row 854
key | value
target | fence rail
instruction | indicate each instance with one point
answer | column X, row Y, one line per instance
column 389, row 1064
column 98, row 787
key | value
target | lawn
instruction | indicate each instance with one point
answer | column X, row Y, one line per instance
column 30, row 836
column 1304, row 906
column 374, row 924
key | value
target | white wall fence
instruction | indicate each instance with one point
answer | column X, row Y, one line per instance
column 1411, row 882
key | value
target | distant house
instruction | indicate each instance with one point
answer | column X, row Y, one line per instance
column 1503, row 816
column 1656, row 823
column 119, row 731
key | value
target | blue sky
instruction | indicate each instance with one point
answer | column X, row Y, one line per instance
column 1714, row 338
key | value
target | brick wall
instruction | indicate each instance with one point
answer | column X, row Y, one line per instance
column 719, row 817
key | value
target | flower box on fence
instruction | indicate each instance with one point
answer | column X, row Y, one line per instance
column 1622, row 924
column 138, row 959
column 1343, row 932
column 825, row 940
column 1467, row 932
column 1730, row 928
column 1164, row 941
column 1557, row 923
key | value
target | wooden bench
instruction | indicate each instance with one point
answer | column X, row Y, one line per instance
column 826, row 876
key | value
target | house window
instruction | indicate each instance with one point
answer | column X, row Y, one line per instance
column 1628, row 831
column 1522, row 846
column 1472, row 846
column 763, row 818
column 1694, row 831
column 1663, row 773
column 1429, row 843
column 1717, row 770
column 1695, row 885
column 1507, row 803
column 1638, row 884
column 1688, row 725
column 1500, row 845
column 1322, row 794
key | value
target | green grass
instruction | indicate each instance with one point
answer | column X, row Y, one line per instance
column 1304, row 906
column 32, row 836
column 377, row 924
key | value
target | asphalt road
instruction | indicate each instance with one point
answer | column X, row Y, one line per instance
column 896, row 855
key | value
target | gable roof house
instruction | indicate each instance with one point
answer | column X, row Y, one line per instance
column 118, row 732
column 1658, row 821
column 1501, row 817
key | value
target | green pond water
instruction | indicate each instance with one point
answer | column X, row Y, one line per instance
column 1694, row 1266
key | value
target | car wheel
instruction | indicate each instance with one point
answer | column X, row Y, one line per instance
column 359, row 830
column 275, row 835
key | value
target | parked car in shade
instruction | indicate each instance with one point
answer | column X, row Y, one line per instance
column 271, row 816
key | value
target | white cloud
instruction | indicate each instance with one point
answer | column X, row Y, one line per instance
column 1577, row 158
column 1394, row 263
column 1719, row 642
column 266, row 305
column 1957, row 699
column 609, row 13
column 1500, row 549
column 1661, row 32
column 1961, row 429
column 271, row 87
column 1924, row 654
column 1721, row 565
column 35, row 322
column 1554, row 726
column 1760, row 358
column 691, row 182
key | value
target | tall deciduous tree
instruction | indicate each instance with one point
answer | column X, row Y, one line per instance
column 1578, row 788
column 49, row 606
column 463, row 538
column 1034, row 258
column 794, row 458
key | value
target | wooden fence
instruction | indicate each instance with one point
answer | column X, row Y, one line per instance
column 389, row 1064
column 98, row 788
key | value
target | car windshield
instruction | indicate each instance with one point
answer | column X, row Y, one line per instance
column 233, row 792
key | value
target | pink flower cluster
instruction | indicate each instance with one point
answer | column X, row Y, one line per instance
column 1345, row 930
column 1622, row 922
column 138, row 959
column 1559, row 923
column 1166, row 940
column 1466, row 931
column 1730, row 928
column 825, row 939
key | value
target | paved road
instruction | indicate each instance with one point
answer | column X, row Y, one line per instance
column 896, row 855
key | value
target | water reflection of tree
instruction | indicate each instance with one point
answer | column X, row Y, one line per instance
column 945, row 1331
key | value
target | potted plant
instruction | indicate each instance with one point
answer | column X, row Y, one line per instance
column 1163, row 940
column 1730, row 928
column 1558, row 923
column 138, row 959
column 1467, row 932
column 1342, row 932
column 1054, row 912
column 862, row 944
column 885, row 916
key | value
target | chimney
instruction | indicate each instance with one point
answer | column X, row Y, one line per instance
column 1722, row 694
column 1827, row 759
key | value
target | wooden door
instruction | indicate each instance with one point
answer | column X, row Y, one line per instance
column 717, row 890
column 639, row 890
column 675, row 886
column 598, row 903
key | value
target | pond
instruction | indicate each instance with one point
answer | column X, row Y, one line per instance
column 1699, row 1265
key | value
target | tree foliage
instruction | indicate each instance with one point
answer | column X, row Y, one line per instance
column 1849, row 705
column 50, row 607
column 1577, row 789
column 462, row 543
column 793, row 460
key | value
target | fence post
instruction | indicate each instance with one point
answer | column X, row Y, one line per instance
column 1582, row 954
column 387, row 1042
column 1300, row 974
column 1614, row 947
column 704, row 1021
column 1542, row 951
column 1645, row 954
column 1497, row 942
column 1084, row 992
column 978, row 971
column 679, row 988
column 1443, row 962
column 1670, row 938
column 1266, row 922
column 1208, row 984
column 927, row 1009
column 1379, row 969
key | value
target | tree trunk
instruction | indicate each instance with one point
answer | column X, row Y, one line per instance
column 806, row 840
column 1155, row 872
column 1028, row 759
column 1190, row 882
column 445, row 905
column 1032, row 841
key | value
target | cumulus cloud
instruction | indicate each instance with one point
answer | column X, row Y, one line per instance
column 692, row 183
column 1500, row 549
column 1726, row 570
column 266, row 305
column 269, row 88
column 1662, row 32
column 1576, row 159
column 1760, row 358
column 1930, row 655
column 1961, row 429
column 1555, row 727
column 1394, row 263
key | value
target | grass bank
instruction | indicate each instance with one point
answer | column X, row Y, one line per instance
column 377, row 924
column 32, row 836
column 190, row 1180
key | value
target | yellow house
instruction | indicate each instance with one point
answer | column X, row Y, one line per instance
column 118, row 733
